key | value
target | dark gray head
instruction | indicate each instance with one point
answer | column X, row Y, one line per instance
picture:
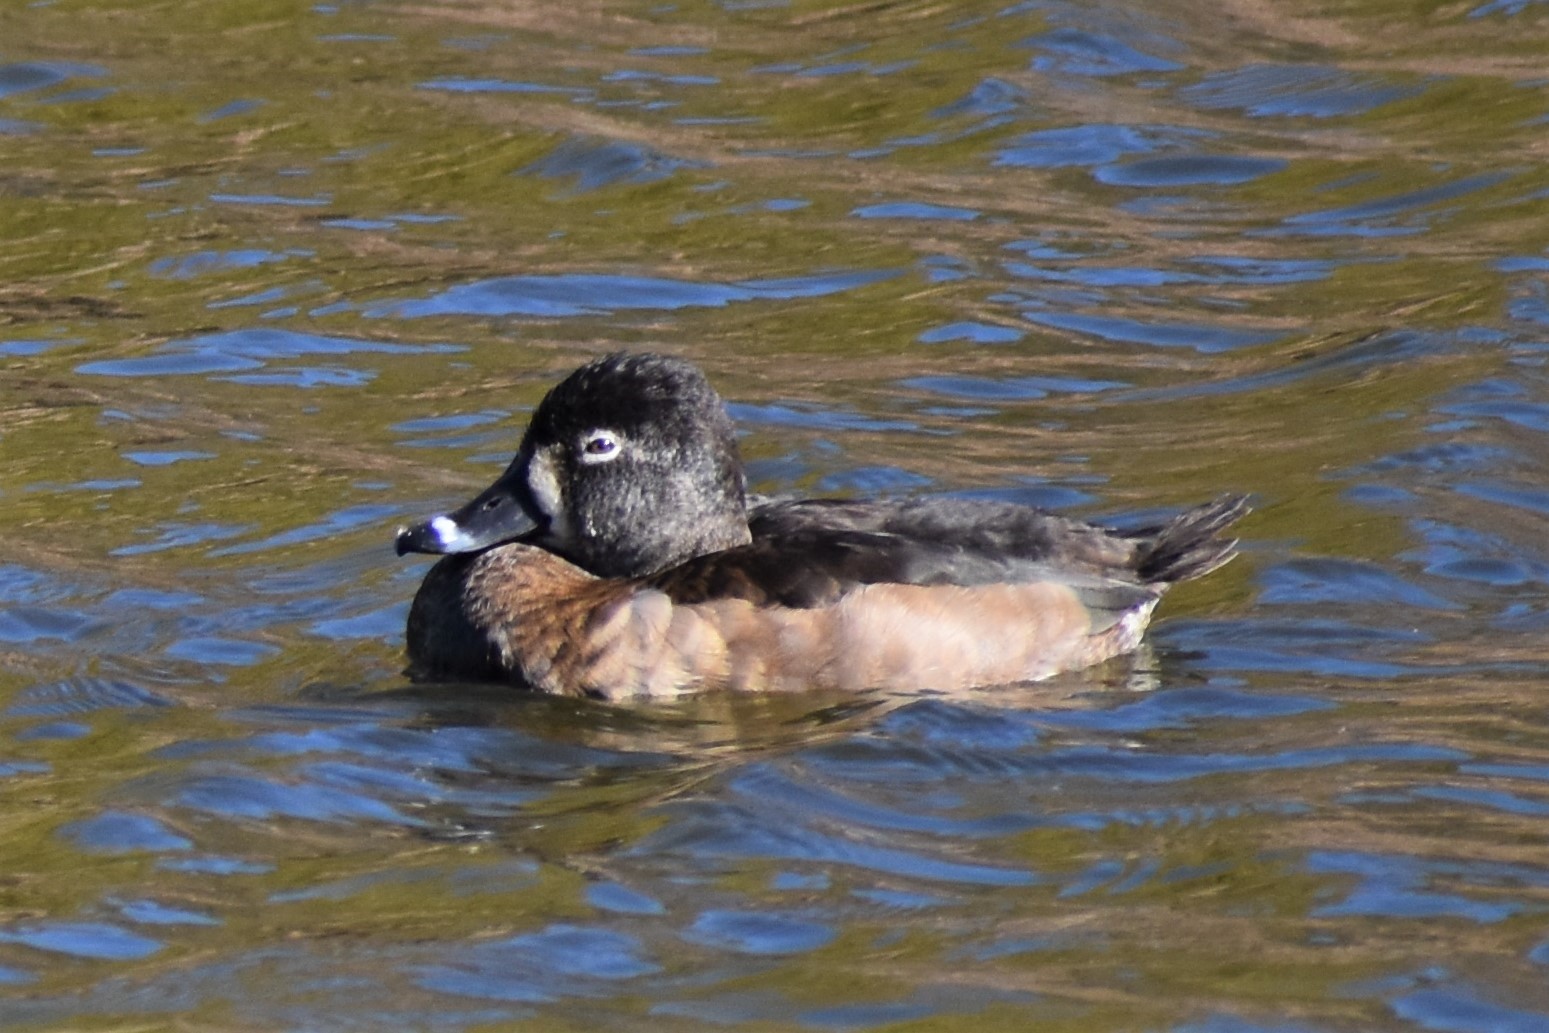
column 629, row 466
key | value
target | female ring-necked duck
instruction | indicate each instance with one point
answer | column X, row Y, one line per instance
column 619, row 555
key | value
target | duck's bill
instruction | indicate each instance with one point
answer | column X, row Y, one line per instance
column 501, row 513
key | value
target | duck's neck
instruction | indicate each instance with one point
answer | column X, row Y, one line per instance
column 642, row 548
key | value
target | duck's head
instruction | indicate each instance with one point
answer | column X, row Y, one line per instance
column 629, row 465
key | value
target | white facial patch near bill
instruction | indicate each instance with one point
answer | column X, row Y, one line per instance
column 547, row 496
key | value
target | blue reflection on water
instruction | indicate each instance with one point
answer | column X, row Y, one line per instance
column 758, row 932
column 42, row 75
column 460, row 85
column 332, row 524
column 1396, row 887
column 1461, row 1011
column 581, row 294
column 595, row 164
column 967, row 330
column 118, row 832
column 1181, row 708
column 1200, row 337
column 81, row 696
column 1402, row 214
column 562, row 960
column 708, row 830
column 1329, row 580
column 262, row 799
column 236, row 351
column 1079, row 52
column 233, row 109
column 275, row 200
column 1295, row 91
column 205, row 262
column 96, row 940
column 1007, row 388
column 915, row 210
column 1184, row 170
column 150, row 912
column 1099, row 144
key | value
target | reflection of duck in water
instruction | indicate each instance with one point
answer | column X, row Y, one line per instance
column 619, row 556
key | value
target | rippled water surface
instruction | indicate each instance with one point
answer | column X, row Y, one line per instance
column 276, row 276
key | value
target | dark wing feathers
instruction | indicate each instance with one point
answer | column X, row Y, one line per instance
column 1186, row 546
column 801, row 570
column 810, row 553
column 1003, row 534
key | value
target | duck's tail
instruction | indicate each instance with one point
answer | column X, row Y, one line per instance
column 1187, row 546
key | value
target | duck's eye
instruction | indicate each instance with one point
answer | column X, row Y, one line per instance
column 599, row 446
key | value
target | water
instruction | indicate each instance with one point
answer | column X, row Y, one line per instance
column 275, row 277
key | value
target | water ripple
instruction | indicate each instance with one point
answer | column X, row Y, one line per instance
column 1295, row 91
column 597, row 294
column 1106, row 259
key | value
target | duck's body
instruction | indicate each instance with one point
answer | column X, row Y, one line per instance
column 618, row 557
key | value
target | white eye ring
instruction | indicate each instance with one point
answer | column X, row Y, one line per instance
column 600, row 446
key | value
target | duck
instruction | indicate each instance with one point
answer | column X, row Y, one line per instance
column 620, row 555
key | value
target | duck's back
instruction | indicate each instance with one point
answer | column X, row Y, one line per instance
column 811, row 552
